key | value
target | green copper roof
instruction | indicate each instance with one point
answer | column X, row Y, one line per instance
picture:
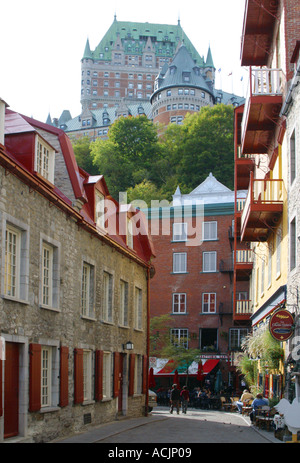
column 209, row 60
column 165, row 39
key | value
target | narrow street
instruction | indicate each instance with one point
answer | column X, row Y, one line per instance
column 160, row 427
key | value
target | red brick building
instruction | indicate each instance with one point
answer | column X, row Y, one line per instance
column 194, row 275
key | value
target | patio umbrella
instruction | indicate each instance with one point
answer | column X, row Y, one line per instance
column 151, row 379
column 219, row 382
column 200, row 375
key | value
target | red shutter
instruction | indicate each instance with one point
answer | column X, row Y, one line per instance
column 99, row 375
column 145, row 374
column 116, row 374
column 78, row 376
column 34, row 377
column 1, row 406
column 64, row 377
column 131, row 374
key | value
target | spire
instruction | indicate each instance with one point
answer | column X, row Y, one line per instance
column 209, row 61
column 87, row 51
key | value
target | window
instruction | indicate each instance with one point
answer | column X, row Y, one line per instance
column 236, row 336
column 278, row 251
column 179, row 231
column 107, row 297
column 123, row 315
column 179, row 262
column 179, row 337
column 47, row 275
column 210, row 230
column 87, row 290
column 293, row 170
column 87, row 375
column 179, row 303
column 208, row 339
column 44, row 159
column 209, row 302
column 138, row 309
column 99, row 209
column 169, row 92
column 46, row 376
column 270, row 265
column 209, row 261
column 129, row 235
column 12, row 262
column 262, row 286
column 293, row 244
column 107, row 375
column 50, row 274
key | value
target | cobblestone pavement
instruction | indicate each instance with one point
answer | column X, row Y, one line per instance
column 197, row 426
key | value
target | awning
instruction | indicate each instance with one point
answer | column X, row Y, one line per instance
column 165, row 367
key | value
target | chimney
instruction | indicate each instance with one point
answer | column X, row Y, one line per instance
column 2, row 120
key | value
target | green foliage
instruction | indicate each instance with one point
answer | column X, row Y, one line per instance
column 84, row 158
column 136, row 160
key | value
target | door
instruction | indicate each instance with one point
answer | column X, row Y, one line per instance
column 11, row 390
column 120, row 397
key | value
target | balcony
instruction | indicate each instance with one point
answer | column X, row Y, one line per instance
column 243, row 309
column 262, row 210
column 244, row 164
column 262, row 108
column 243, row 264
column 258, row 29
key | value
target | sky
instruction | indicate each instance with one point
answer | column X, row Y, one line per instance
column 42, row 44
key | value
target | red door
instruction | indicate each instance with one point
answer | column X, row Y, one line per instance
column 11, row 390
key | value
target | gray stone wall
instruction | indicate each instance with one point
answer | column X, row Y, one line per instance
column 24, row 320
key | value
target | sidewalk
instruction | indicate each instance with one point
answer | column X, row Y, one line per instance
column 104, row 431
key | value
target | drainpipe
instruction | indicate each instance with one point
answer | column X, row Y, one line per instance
column 148, row 341
column 288, row 101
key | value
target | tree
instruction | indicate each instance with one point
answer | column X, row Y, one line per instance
column 129, row 155
column 163, row 346
column 84, row 158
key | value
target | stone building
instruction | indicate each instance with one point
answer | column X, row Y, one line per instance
column 74, row 291
column 193, row 282
column 123, row 75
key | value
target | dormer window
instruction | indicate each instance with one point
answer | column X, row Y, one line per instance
column 99, row 209
column 44, row 159
column 129, row 237
column 186, row 76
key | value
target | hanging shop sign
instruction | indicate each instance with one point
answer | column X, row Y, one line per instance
column 281, row 325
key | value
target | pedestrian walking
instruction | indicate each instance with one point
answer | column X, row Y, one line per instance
column 185, row 398
column 175, row 399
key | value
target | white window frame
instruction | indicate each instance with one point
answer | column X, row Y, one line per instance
column 138, row 295
column 293, row 244
column 293, row 158
column 99, row 209
column 52, row 247
column 107, row 313
column 211, row 266
column 179, row 262
column 44, row 159
column 179, row 231
column 124, row 304
column 210, row 231
column 46, row 376
column 180, row 337
column 87, row 375
column 278, row 251
column 129, row 232
column 87, row 290
column 237, row 334
column 107, row 376
column 209, row 303
column 20, row 263
column 12, row 262
column 176, row 305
